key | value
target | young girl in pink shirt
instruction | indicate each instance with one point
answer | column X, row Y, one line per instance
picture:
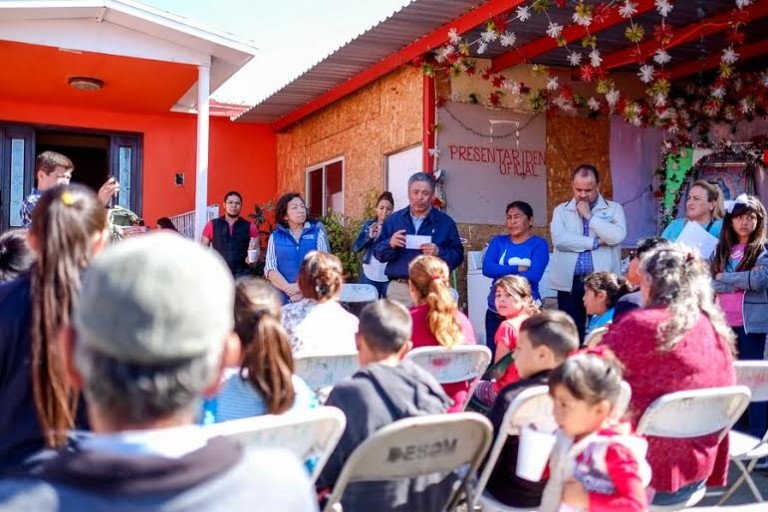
column 740, row 279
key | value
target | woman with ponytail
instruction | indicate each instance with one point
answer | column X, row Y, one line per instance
column 37, row 404
column 264, row 383
column 318, row 324
column 437, row 320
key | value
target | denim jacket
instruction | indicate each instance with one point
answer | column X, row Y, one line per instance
column 438, row 225
column 365, row 242
column 754, row 282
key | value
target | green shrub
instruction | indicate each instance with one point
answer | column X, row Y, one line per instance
column 342, row 232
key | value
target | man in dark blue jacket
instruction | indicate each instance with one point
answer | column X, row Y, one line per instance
column 416, row 229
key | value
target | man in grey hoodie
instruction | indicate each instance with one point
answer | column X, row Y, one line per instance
column 385, row 390
column 151, row 334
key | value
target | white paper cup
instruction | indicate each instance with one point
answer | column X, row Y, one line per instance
column 533, row 453
column 253, row 255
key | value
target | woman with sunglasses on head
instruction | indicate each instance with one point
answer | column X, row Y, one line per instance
column 703, row 205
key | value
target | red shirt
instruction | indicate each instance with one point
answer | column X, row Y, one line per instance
column 506, row 335
column 423, row 337
column 208, row 230
column 699, row 360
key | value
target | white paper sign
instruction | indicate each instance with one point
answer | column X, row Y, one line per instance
column 416, row 241
column 484, row 173
column 693, row 235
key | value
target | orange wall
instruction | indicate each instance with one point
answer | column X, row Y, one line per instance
column 241, row 156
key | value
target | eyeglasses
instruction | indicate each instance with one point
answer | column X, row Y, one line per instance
column 233, row 203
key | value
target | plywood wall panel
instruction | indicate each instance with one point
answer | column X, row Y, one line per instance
column 382, row 118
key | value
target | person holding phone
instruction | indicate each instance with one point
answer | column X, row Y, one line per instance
column 53, row 169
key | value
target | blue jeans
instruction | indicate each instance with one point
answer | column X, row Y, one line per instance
column 680, row 496
column 751, row 347
column 492, row 323
column 381, row 286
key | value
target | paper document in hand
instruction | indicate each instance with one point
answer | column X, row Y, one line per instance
column 416, row 241
column 693, row 235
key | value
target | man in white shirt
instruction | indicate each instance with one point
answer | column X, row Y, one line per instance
column 587, row 232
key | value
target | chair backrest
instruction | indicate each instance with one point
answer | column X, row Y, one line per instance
column 311, row 435
column 448, row 365
column 595, row 337
column 320, row 371
column 754, row 375
column 358, row 292
column 532, row 406
column 695, row 412
column 418, row 446
column 623, row 402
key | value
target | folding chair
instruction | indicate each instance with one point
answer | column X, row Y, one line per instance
column 419, row 446
column 358, row 292
column 532, row 406
column 321, row 371
column 693, row 413
column 312, row 434
column 354, row 296
column 457, row 364
column 744, row 447
column 623, row 402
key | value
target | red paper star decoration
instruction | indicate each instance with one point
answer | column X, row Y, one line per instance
column 587, row 73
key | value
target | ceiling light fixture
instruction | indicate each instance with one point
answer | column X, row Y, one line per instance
column 84, row 83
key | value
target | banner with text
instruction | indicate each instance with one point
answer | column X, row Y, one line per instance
column 488, row 166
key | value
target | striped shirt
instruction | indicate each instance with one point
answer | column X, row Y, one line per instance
column 239, row 399
column 584, row 265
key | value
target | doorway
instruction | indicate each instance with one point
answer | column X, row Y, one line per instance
column 89, row 153
column 96, row 155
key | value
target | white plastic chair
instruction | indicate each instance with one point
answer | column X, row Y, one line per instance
column 358, row 292
column 457, row 364
column 623, row 402
column 693, row 413
column 744, row 447
column 533, row 406
column 419, row 446
column 321, row 371
column 312, row 434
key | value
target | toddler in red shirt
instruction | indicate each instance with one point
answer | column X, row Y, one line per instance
column 597, row 464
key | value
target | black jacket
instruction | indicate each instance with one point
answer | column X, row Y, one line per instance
column 372, row 398
column 21, row 435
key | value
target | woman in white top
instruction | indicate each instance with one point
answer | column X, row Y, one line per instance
column 264, row 383
column 373, row 270
column 318, row 324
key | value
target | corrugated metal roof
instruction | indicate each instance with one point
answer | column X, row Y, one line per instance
column 415, row 20
column 422, row 17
